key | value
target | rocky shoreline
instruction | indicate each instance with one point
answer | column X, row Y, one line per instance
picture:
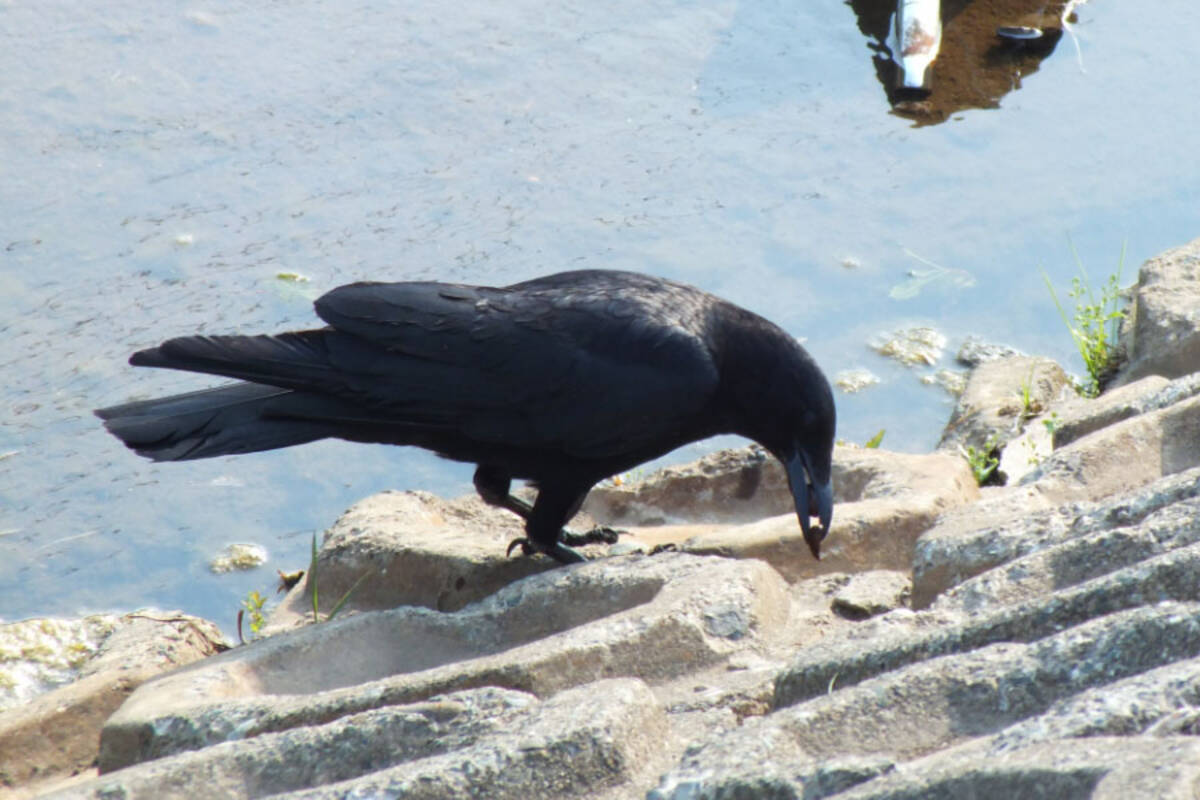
column 1036, row 639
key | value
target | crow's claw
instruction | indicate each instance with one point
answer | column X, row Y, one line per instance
column 522, row 542
column 559, row 552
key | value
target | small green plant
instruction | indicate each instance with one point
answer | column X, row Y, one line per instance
column 1034, row 458
column 984, row 461
column 876, row 440
column 312, row 582
column 1030, row 406
column 252, row 604
column 1051, row 422
column 1095, row 323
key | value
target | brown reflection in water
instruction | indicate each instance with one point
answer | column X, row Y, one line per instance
column 975, row 67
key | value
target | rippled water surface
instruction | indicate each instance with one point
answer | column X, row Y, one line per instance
column 162, row 163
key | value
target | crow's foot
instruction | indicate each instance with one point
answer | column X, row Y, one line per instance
column 559, row 552
column 597, row 535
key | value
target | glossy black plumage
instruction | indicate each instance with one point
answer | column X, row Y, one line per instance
column 564, row 380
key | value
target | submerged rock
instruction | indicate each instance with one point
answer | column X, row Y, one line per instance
column 975, row 351
column 239, row 556
column 919, row 346
column 852, row 381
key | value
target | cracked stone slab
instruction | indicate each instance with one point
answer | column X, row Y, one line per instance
column 761, row 760
column 1080, row 558
column 888, row 643
column 651, row 617
column 1098, row 465
column 341, row 749
column 480, row 742
column 1079, row 416
column 970, row 541
column 1158, row 702
column 1090, row 769
column 933, row 704
column 904, row 715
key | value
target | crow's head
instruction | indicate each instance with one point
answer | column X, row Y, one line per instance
column 786, row 405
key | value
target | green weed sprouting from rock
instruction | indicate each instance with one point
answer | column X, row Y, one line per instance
column 984, row 461
column 253, row 605
column 1030, row 405
column 1051, row 422
column 312, row 581
column 1095, row 323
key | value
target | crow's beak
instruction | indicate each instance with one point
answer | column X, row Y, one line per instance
column 813, row 499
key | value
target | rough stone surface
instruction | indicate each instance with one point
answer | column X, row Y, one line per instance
column 1079, row 416
column 993, row 408
column 652, row 617
column 867, row 594
column 975, row 351
column 414, row 549
column 728, row 486
column 1162, row 334
column 1006, row 523
column 895, row 498
column 747, row 485
column 967, row 545
column 474, row 743
column 55, row 734
column 1092, row 769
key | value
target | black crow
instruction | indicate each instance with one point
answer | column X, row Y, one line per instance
column 562, row 381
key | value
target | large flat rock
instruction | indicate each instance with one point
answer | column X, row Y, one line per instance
column 886, row 501
column 472, row 743
column 650, row 617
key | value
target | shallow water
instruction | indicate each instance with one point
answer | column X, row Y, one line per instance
column 161, row 165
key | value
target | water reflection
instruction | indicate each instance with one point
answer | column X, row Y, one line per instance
column 976, row 67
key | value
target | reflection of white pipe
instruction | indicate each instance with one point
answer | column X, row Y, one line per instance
column 916, row 37
column 1068, row 10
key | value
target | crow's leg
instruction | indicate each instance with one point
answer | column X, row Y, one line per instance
column 555, row 504
column 493, row 485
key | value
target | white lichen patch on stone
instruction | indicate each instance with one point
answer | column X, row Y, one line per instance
column 239, row 557
column 915, row 346
column 37, row 655
column 952, row 381
column 855, row 380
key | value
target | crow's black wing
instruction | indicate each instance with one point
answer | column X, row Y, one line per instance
column 591, row 367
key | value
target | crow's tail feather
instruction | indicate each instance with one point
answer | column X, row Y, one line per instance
column 237, row 418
